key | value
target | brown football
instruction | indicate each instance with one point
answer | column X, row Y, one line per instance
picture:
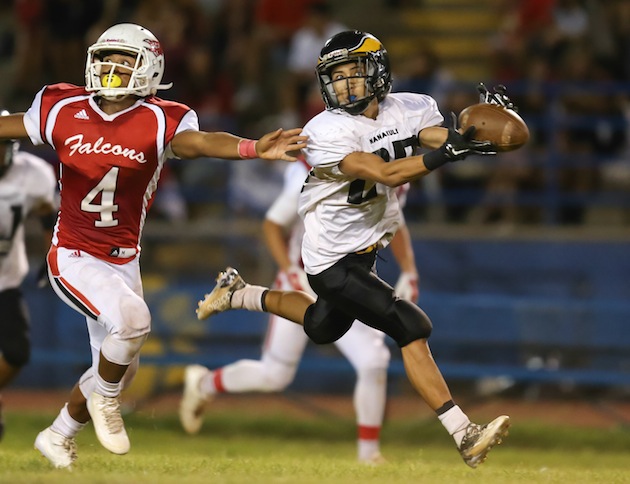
column 503, row 127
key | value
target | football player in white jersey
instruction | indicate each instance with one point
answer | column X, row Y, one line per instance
column 361, row 148
column 363, row 346
column 112, row 137
column 27, row 186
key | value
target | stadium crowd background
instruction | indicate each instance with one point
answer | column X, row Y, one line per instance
column 566, row 63
column 240, row 65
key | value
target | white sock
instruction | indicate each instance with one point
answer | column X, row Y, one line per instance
column 106, row 388
column 65, row 425
column 455, row 422
column 250, row 298
column 246, row 376
column 370, row 395
column 207, row 386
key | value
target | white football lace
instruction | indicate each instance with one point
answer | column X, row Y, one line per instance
column 70, row 446
column 110, row 408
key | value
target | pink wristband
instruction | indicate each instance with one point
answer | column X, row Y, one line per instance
column 247, row 149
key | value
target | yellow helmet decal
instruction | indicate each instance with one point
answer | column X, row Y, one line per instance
column 369, row 44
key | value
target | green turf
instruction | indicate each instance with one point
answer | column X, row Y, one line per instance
column 236, row 448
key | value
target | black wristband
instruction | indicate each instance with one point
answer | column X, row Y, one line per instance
column 435, row 159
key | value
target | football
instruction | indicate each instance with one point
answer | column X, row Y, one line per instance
column 504, row 128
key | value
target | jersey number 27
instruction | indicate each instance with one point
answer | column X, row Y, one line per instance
column 356, row 194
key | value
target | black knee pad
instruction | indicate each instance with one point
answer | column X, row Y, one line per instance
column 325, row 330
column 16, row 350
column 413, row 323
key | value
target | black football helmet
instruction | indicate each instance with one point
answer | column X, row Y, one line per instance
column 11, row 147
column 360, row 47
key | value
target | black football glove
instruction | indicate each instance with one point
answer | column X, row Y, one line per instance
column 498, row 97
column 457, row 147
column 475, row 147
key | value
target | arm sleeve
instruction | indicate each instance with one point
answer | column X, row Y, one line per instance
column 33, row 120
column 329, row 144
column 190, row 122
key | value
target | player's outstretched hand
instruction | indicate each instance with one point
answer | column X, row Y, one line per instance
column 281, row 144
column 457, row 147
column 498, row 97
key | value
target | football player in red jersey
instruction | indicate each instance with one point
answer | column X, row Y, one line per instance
column 112, row 138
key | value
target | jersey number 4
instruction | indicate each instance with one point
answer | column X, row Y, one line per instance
column 106, row 208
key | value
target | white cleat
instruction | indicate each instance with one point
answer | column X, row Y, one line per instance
column 60, row 451
column 192, row 404
column 375, row 459
column 108, row 423
column 220, row 298
column 479, row 439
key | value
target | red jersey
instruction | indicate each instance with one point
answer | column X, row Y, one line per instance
column 110, row 165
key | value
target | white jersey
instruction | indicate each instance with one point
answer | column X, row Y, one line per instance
column 28, row 183
column 342, row 214
column 284, row 209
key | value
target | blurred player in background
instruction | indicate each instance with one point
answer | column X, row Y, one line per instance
column 112, row 138
column 361, row 148
column 363, row 346
column 27, row 186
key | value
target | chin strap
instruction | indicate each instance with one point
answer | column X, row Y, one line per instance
column 163, row 87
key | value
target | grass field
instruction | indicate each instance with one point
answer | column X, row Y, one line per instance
column 238, row 447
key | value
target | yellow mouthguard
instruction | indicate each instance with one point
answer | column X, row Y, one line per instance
column 111, row 81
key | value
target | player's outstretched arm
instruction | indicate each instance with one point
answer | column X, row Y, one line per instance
column 12, row 126
column 277, row 145
column 457, row 146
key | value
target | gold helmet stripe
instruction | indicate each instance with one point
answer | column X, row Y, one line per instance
column 369, row 44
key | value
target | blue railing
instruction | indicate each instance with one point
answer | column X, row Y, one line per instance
column 497, row 308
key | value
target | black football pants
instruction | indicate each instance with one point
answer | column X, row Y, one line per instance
column 351, row 290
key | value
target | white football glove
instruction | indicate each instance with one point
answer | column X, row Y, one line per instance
column 407, row 287
column 299, row 280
